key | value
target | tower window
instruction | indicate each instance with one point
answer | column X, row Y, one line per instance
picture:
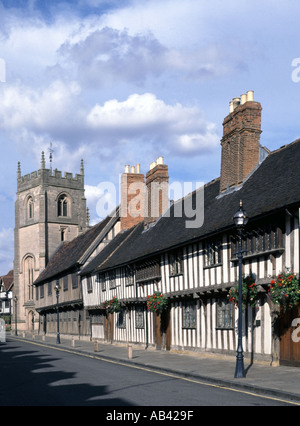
column 30, row 206
column 62, row 206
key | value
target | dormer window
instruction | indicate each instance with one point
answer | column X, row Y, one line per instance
column 63, row 206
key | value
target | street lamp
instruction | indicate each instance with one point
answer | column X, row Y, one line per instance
column 16, row 316
column 240, row 220
column 57, row 289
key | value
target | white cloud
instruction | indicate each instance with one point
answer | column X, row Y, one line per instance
column 183, row 130
column 40, row 109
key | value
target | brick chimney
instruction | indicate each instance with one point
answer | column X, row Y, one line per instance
column 240, row 141
column 132, row 197
column 157, row 186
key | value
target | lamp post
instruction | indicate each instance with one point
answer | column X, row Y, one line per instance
column 57, row 289
column 16, row 316
column 240, row 220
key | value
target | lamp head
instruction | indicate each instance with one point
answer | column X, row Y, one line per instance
column 240, row 218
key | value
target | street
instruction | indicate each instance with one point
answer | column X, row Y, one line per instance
column 37, row 375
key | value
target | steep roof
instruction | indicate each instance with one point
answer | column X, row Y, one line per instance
column 69, row 254
column 273, row 186
column 8, row 280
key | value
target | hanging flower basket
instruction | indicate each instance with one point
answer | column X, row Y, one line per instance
column 249, row 292
column 112, row 305
column 157, row 302
column 285, row 290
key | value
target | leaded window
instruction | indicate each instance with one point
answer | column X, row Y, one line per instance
column 121, row 322
column 263, row 238
column 148, row 271
column 224, row 314
column 65, row 282
column 50, row 288
column 189, row 315
column 74, row 280
column 89, row 284
column 129, row 276
column 112, row 279
column 212, row 253
column 139, row 317
column 101, row 281
column 176, row 263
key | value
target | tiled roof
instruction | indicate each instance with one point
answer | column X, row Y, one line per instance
column 8, row 280
column 273, row 186
column 68, row 255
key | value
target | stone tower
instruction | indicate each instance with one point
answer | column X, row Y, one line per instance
column 50, row 208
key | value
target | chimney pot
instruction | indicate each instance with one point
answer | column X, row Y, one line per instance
column 250, row 96
column 236, row 102
column 138, row 168
column 126, row 169
column 132, row 169
column 243, row 99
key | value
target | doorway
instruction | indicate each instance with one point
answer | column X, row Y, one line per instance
column 290, row 337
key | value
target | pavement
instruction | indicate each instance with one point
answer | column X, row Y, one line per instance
column 280, row 382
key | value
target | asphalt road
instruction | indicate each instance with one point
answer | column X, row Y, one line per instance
column 35, row 375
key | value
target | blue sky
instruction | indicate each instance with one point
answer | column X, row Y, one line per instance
column 123, row 82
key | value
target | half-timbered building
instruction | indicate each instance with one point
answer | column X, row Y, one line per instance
column 192, row 261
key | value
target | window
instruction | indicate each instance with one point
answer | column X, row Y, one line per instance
column 189, row 315
column 148, row 271
column 50, row 288
column 62, row 206
column 139, row 317
column 30, row 208
column 264, row 238
column 129, row 276
column 74, row 280
column 89, row 284
column 65, row 282
column 224, row 314
column 212, row 253
column 28, row 274
column 121, row 322
column 42, row 291
column 176, row 263
column 101, row 281
column 63, row 234
column 112, row 279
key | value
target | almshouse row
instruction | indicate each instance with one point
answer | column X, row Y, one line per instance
column 110, row 273
column 196, row 280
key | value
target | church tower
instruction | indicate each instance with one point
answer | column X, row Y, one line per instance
column 50, row 208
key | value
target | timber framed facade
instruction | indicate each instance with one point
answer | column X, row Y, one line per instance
column 194, row 267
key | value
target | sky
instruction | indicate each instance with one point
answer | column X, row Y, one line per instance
column 126, row 81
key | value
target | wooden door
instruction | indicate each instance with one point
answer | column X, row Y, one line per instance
column 290, row 337
column 162, row 330
column 109, row 327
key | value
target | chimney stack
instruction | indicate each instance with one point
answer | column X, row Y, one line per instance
column 157, row 187
column 132, row 197
column 240, row 141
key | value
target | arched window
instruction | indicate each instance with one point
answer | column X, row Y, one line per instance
column 30, row 208
column 28, row 275
column 63, row 206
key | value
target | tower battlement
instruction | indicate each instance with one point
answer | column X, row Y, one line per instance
column 47, row 177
